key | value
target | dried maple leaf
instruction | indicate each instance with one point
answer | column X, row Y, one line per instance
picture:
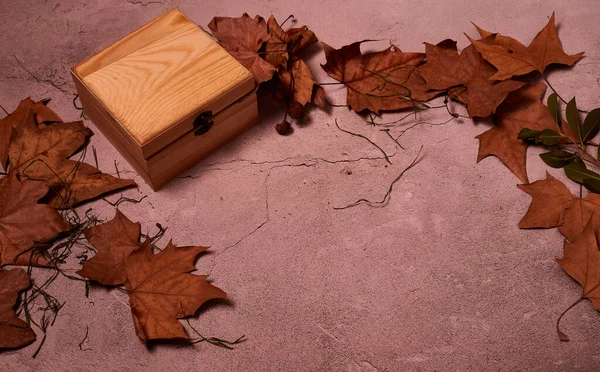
column 161, row 290
column 553, row 205
column 446, row 69
column 299, row 81
column 41, row 154
column 14, row 332
column 41, row 113
column 512, row 58
column 114, row 240
column 24, row 222
column 377, row 81
column 581, row 260
column 521, row 109
column 243, row 37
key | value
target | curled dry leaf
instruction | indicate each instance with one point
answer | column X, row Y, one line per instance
column 14, row 332
column 41, row 154
column 446, row 69
column 512, row 58
column 161, row 290
column 521, row 109
column 243, row 37
column 379, row 81
column 299, row 80
column 114, row 240
column 24, row 222
column 282, row 43
column 42, row 115
column 553, row 205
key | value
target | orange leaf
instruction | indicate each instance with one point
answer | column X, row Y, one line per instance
column 445, row 69
column 114, row 241
column 512, row 58
column 161, row 290
column 378, row 81
column 242, row 37
column 521, row 109
column 41, row 154
column 553, row 205
column 299, row 80
column 14, row 332
column 24, row 222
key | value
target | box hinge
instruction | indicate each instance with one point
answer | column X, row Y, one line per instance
column 203, row 123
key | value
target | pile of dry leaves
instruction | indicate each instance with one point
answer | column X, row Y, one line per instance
column 39, row 225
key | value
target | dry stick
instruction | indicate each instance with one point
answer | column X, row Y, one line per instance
column 361, row 136
column 3, row 109
column 387, row 194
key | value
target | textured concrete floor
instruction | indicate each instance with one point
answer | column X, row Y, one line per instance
column 440, row 279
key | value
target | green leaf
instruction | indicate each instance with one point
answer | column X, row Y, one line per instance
column 591, row 125
column 548, row 137
column 592, row 184
column 528, row 135
column 558, row 159
column 554, row 109
column 577, row 171
column 573, row 119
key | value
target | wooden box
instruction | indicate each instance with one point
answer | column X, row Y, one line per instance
column 166, row 96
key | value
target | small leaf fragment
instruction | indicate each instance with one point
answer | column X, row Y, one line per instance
column 14, row 332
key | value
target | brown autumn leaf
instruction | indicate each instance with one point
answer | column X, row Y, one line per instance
column 243, row 37
column 41, row 154
column 24, row 222
column 512, row 58
column 42, row 114
column 161, row 290
column 581, row 260
column 282, row 43
column 379, row 81
column 446, row 69
column 299, row 80
column 113, row 240
column 553, row 205
column 14, row 332
column 521, row 109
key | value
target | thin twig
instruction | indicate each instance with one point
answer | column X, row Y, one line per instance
column 389, row 191
column 361, row 136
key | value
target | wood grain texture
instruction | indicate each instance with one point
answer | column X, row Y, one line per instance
column 153, row 89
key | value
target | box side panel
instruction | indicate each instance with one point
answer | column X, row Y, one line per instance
column 143, row 36
column 103, row 121
column 190, row 149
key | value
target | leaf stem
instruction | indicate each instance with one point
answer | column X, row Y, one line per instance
column 561, row 334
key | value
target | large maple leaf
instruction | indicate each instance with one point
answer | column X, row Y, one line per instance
column 161, row 290
column 114, row 240
column 512, row 58
column 24, row 222
column 379, row 81
column 521, row 109
column 553, row 205
column 14, row 332
column 41, row 154
column 446, row 69
column 243, row 37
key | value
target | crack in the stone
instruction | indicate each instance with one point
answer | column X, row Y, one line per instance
column 40, row 80
column 142, row 3
column 267, row 212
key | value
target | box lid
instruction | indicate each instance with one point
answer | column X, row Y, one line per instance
column 165, row 72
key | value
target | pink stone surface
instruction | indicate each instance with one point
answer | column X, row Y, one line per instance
column 438, row 279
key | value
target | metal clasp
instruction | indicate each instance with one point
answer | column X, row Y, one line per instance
column 203, row 123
